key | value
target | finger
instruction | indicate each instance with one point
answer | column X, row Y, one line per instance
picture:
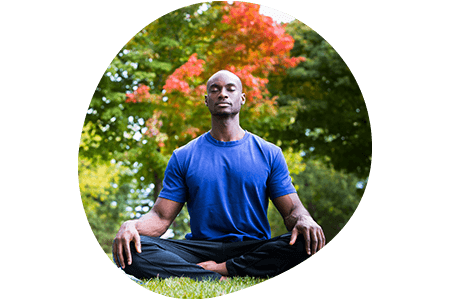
column 128, row 253
column 116, row 260
column 314, row 241
column 307, row 241
column 322, row 239
column 293, row 236
column 137, row 243
column 120, row 255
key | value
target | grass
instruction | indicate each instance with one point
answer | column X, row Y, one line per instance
column 186, row 288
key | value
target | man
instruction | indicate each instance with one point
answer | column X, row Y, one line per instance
column 226, row 177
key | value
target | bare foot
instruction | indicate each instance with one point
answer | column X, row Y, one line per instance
column 215, row 267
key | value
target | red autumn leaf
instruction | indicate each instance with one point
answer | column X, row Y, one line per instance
column 139, row 95
column 248, row 44
column 178, row 80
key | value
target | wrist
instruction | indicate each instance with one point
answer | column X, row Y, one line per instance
column 290, row 221
column 130, row 224
column 296, row 217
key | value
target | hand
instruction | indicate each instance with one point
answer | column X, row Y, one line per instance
column 127, row 234
column 312, row 233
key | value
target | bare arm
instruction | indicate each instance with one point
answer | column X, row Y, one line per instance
column 158, row 219
column 298, row 220
column 154, row 223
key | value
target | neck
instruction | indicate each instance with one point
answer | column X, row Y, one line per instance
column 226, row 129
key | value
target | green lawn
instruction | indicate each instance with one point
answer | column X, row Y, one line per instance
column 191, row 289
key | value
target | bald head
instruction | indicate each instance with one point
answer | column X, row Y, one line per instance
column 225, row 74
column 224, row 96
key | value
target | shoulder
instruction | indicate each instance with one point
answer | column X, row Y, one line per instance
column 271, row 152
column 182, row 156
column 263, row 144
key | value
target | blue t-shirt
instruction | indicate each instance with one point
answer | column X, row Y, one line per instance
column 227, row 185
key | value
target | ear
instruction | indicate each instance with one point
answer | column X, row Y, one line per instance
column 243, row 98
column 206, row 100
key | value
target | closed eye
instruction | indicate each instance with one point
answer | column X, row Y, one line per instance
column 215, row 89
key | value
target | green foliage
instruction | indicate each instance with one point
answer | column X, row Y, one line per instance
column 103, row 200
column 331, row 119
column 147, row 59
column 330, row 196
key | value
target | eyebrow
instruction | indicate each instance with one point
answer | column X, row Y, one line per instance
column 228, row 84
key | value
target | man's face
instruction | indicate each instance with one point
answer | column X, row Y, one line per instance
column 225, row 95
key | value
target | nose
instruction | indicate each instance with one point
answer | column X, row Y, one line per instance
column 223, row 94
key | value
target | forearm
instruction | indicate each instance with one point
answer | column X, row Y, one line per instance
column 156, row 222
column 291, row 209
column 150, row 224
column 300, row 210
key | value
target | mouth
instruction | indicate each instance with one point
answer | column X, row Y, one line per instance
column 223, row 104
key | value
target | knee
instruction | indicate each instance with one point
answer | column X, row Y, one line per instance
column 149, row 240
column 139, row 260
column 147, row 246
column 298, row 248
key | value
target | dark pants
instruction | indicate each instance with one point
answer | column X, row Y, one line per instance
column 178, row 258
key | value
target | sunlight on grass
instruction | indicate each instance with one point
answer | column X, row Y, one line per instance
column 186, row 288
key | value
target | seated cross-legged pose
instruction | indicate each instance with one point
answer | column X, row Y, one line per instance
column 226, row 177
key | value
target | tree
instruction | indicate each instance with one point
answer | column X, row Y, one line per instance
column 330, row 196
column 324, row 105
column 126, row 128
column 103, row 199
column 251, row 46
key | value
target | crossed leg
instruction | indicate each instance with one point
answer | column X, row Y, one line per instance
column 206, row 260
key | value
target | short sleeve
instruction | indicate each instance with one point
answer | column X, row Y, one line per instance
column 174, row 183
column 279, row 181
